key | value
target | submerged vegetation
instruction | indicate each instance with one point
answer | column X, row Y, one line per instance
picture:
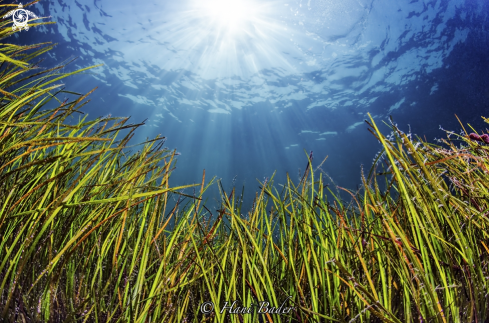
column 89, row 231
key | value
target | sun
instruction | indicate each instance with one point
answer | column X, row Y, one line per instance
column 229, row 14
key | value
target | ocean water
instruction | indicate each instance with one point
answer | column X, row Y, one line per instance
column 245, row 88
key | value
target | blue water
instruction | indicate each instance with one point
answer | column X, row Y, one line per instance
column 242, row 101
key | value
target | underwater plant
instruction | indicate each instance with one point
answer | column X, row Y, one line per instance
column 89, row 231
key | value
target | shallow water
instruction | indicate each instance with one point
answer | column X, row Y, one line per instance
column 243, row 93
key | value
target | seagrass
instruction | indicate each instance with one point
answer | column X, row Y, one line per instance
column 90, row 230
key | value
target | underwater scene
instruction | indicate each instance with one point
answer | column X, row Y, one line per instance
column 242, row 88
column 284, row 161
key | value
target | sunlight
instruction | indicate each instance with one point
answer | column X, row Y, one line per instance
column 222, row 38
column 230, row 15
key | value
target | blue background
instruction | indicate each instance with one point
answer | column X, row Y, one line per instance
column 300, row 75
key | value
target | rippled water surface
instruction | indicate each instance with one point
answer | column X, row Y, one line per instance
column 243, row 88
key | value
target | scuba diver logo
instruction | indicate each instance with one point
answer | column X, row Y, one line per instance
column 20, row 17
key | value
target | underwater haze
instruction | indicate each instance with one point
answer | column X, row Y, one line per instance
column 242, row 88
